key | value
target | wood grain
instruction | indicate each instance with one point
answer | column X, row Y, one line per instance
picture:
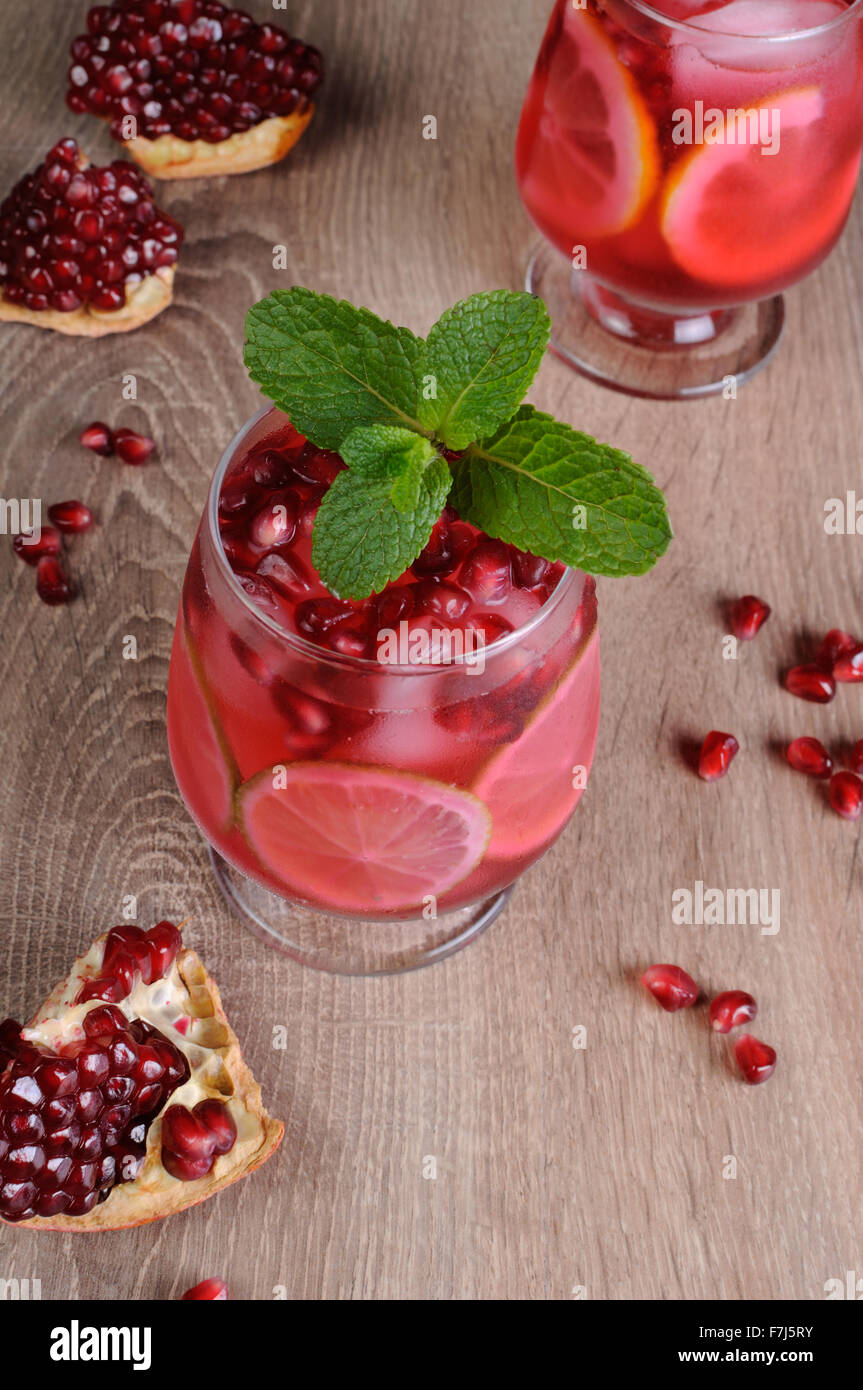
column 556, row 1167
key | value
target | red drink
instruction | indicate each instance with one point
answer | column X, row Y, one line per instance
column 330, row 750
column 693, row 165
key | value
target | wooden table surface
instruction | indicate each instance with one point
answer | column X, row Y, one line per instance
column 605, row 1168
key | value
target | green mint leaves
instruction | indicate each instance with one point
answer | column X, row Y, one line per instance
column 482, row 355
column 394, row 405
column 331, row 366
column 544, row 487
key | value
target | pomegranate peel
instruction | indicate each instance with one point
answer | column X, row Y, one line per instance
column 169, row 157
column 186, row 996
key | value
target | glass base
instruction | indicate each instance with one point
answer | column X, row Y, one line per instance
column 645, row 352
column 347, row 947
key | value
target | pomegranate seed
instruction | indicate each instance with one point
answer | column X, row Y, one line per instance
column 72, row 517
column 213, row 1289
column 528, row 570
column 756, row 1060
column 71, row 238
column 846, row 795
column 97, row 437
column 133, row 448
column 855, row 758
column 811, row 683
column 165, row 943
column 718, row 751
column 849, row 666
column 731, row 1009
column 670, row 986
column 810, row 756
column 436, row 557
column 160, row 62
column 217, row 1119
column 185, row 1135
column 835, row 644
column 33, row 548
column 748, row 615
column 53, row 585
column 185, row 1169
column 487, row 572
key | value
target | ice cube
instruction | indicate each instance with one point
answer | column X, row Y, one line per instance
column 742, row 29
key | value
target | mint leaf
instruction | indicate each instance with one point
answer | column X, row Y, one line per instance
column 481, row 357
column 362, row 540
column 544, row 487
column 379, row 452
column 331, row 366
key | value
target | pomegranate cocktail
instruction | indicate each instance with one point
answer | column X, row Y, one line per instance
column 700, row 165
column 384, row 697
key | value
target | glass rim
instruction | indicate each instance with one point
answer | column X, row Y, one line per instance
column 360, row 664
column 648, row 9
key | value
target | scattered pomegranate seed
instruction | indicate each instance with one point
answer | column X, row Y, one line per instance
column 133, row 448
column 730, row 1009
column 32, row 550
column 835, row 644
column 810, row 682
column 72, row 517
column 53, row 584
column 670, row 986
column 855, row 758
column 718, row 751
column 98, row 437
column 193, row 1139
column 208, row 1289
column 846, row 795
column 756, row 1060
column 849, row 667
column 748, row 614
column 810, row 756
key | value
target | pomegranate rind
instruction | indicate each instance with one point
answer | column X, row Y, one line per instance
column 169, row 157
column 143, row 302
column 395, row 838
column 154, row 1194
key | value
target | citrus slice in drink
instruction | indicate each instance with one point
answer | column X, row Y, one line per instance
column 361, row 838
column 534, row 784
column 598, row 137
column 200, row 754
column 733, row 215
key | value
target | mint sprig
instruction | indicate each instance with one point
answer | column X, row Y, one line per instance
column 543, row 486
column 420, row 422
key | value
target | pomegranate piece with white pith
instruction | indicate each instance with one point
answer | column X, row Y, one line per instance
column 193, row 87
column 670, row 986
column 126, row 1098
column 85, row 250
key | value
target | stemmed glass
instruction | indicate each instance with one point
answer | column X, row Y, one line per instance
column 687, row 160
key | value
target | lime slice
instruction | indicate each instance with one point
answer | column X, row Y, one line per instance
column 598, row 135
column 733, row 216
column 201, row 756
column 360, row 839
column 531, row 783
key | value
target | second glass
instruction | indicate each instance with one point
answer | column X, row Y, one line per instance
column 687, row 160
